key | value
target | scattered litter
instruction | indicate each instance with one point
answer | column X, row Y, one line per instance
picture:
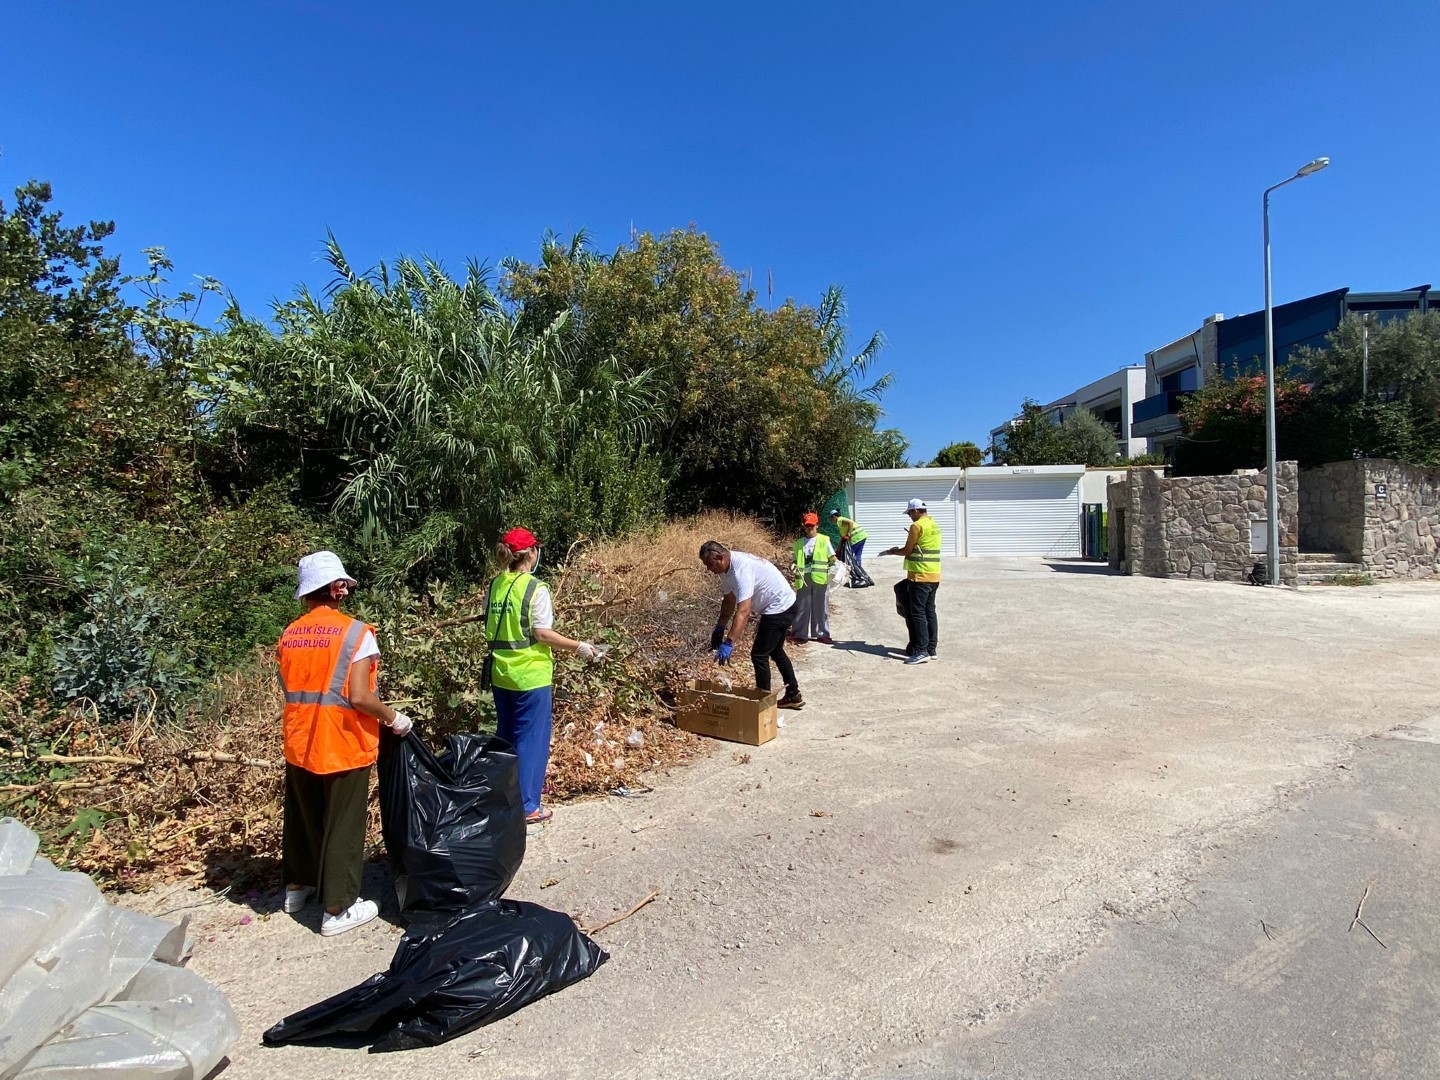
column 843, row 735
column 741, row 759
column 642, row 828
column 819, row 813
column 626, row 792
column 635, row 739
column 549, row 881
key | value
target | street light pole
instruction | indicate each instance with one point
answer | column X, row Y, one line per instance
column 1272, row 489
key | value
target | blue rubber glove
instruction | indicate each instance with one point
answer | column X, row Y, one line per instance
column 717, row 635
column 722, row 654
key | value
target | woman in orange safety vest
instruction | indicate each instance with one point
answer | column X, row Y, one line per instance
column 328, row 668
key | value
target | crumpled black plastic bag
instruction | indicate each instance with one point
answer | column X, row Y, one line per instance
column 453, row 822
column 452, row 977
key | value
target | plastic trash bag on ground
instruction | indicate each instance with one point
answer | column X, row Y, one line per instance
column 453, row 976
column 65, row 953
column 169, row 1024
column 453, row 822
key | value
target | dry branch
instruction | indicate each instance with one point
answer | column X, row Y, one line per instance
column 620, row 918
column 220, row 758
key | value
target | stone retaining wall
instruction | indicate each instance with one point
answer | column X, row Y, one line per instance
column 1199, row 526
column 1379, row 513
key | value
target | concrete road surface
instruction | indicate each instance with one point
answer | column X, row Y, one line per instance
column 1047, row 854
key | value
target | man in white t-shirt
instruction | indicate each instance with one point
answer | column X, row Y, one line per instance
column 754, row 584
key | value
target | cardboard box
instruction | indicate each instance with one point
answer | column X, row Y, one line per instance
column 739, row 714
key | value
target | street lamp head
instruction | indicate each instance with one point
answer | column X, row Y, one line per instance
column 1314, row 167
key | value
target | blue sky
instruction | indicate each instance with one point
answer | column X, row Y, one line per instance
column 1023, row 197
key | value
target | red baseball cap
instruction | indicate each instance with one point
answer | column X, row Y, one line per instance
column 810, row 519
column 519, row 540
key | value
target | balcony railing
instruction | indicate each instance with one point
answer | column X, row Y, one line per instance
column 1153, row 408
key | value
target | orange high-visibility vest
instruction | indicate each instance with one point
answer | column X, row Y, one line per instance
column 324, row 733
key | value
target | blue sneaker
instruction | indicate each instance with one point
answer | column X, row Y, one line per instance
column 918, row 658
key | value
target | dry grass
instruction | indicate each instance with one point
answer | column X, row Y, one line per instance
column 651, row 599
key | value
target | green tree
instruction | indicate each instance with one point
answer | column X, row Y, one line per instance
column 884, row 448
column 1088, row 440
column 426, row 416
column 758, row 410
column 959, row 455
column 1033, row 438
column 1223, row 424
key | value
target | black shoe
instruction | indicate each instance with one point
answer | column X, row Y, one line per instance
column 791, row 700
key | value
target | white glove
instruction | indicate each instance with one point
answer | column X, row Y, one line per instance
column 589, row 652
column 402, row 724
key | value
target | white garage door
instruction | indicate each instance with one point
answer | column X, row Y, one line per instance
column 880, row 509
column 1031, row 515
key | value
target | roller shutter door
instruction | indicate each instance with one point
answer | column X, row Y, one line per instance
column 1031, row 515
column 880, row 510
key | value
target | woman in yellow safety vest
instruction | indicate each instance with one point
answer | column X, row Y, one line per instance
column 813, row 556
column 519, row 615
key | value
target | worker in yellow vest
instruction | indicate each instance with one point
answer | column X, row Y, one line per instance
column 813, row 556
column 922, row 580
column 852, row 540
column 519, row 616
column 328, row 673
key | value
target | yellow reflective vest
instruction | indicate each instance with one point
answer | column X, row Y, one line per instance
column 924, row 558
column 817, row 566
column 521, row 662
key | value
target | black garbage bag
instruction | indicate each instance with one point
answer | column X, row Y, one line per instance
column 454, row 976
column 902, row 598
column 453, row 822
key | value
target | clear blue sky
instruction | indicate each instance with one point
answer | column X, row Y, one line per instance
column 1024, row 197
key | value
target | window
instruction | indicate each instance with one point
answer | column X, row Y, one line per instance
column 1180, row 381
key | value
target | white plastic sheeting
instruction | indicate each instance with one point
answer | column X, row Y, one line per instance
column 91, row 991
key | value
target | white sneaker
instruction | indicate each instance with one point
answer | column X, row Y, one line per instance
column 295, row 898
column 358, row 914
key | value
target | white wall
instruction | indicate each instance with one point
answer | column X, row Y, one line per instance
column 1092, row 487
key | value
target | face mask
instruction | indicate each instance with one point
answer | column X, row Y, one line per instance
column 536, row 568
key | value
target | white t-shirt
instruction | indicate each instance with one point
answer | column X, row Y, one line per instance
column 542, row 609
column 810, row 546
column 368, row 647
column 757, row 580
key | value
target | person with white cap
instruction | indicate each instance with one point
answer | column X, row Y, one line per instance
column 328, row 672
column 519, row 620
column 922, row 579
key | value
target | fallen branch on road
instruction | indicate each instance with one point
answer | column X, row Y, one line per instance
column 592, row 930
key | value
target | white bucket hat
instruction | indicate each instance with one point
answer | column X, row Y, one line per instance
column 319, row 569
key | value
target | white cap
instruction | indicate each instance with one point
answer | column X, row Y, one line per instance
column 318, row 570
column 915, row 504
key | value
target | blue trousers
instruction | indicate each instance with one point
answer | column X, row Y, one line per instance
column 525, row 722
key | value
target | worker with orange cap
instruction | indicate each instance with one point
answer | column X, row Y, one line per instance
column 518, row 627
column 813, row 556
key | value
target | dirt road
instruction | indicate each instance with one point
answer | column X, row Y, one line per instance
column 923, row 849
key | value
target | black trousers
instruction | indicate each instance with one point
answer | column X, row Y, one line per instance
column 770, row 645
column 324, row 839
column 920, row 619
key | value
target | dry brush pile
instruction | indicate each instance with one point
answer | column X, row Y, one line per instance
column 143, row 802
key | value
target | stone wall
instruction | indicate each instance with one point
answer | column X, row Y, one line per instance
column 1332, row 509
column 1199, row 526
column 1402, row 519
